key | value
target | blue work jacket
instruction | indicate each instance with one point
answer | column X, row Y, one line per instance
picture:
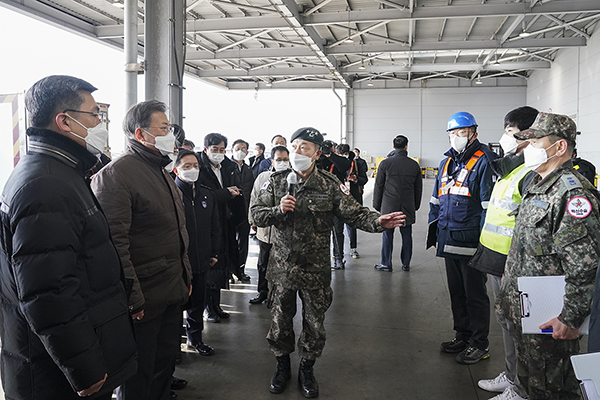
column 460, row 199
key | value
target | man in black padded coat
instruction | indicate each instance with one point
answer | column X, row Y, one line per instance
column 66, row 329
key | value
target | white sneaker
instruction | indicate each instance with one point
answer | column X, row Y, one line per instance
column 498, row 384
column 508, row 394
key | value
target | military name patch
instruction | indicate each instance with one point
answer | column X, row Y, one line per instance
column 579, row 207
column 344, row 189
column 265, row 185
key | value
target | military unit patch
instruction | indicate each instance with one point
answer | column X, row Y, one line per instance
column 579, row 207
column 344, row 189
column 265, row 185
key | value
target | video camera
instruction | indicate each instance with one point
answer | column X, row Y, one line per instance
column 327, row 147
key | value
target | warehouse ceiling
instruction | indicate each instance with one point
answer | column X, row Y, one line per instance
column 350, row 43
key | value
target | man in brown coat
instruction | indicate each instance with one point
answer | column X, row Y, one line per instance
column 145, row 213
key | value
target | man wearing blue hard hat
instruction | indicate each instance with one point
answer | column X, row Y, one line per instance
column 458, row 205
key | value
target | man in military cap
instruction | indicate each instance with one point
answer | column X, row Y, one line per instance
column 557, row 232
column 301, row 212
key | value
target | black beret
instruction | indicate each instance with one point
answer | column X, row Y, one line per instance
column 309, row 134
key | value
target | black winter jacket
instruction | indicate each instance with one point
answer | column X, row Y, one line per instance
column 398, row 186
column 203, row 225
column 65, row 321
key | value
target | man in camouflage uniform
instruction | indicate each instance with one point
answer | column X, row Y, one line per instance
column 557, row 232
column 302, row 217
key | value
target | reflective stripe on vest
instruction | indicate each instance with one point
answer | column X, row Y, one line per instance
column 463, row 251
column 499, row 226
column 458, row 187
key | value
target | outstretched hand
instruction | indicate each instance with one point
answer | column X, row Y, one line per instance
column 392, row 220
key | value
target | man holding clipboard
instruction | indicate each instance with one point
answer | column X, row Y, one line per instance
column 557, row 232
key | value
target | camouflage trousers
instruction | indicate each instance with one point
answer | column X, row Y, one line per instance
column 544, row 367
column 315, row 303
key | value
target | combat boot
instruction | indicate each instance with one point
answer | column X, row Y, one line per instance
column 306, row 379
column 282, row 375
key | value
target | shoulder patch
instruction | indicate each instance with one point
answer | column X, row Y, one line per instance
column 579, row 207
column 570, row 181
column 344, row 189
column 265, row 185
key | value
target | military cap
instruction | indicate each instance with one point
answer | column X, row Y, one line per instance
column 309, row 134
column 548, row 124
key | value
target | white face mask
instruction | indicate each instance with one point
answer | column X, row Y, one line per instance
column 189, row 175
column 300, row 162
column 281, row 165
column 509, row 144
column 534, row 157
column 96, row 137
column 239, row 155
column 164, row 144
column 458, row 143
column 215, row 158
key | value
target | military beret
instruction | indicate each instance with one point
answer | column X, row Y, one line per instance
column 548, row 124
column 309, row 134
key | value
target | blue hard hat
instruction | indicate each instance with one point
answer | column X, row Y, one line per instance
column 461, row 120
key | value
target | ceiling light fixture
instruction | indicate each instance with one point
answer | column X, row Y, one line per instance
column 269, row 83
column 524, row 32
column 362, row 66
column 478, row 81
column 349, row 39
column 118, row 4
column 370, row 83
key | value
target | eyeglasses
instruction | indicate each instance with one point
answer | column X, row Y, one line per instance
column 101, row 117
column 165, row 129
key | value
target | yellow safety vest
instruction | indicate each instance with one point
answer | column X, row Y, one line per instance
column 499, row 226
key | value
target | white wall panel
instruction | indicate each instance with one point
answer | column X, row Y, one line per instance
column 422, row 116
column 572, row 87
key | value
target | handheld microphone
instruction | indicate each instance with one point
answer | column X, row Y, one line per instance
column 292, row 181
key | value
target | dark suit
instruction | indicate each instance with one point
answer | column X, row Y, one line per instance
column 231, row 212
column 246, row 180
column 254, row 162
column 359, row 169
column 398, row 187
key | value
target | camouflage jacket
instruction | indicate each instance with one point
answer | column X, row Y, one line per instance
column 557, row 232
column 300, row 256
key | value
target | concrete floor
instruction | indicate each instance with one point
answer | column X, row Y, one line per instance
column 383, row 335
column 384, row 330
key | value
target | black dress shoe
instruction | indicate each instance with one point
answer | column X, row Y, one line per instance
column 222, row 314
column 178, row 359
column 214, row 318
column 406, row 268
column 177, row 383
column 202, row 348
column 259, row 299
column 244, row 278
column 172, row 395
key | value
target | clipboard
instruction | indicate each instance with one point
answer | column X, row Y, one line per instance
column 587, row 371
column 542, row 300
